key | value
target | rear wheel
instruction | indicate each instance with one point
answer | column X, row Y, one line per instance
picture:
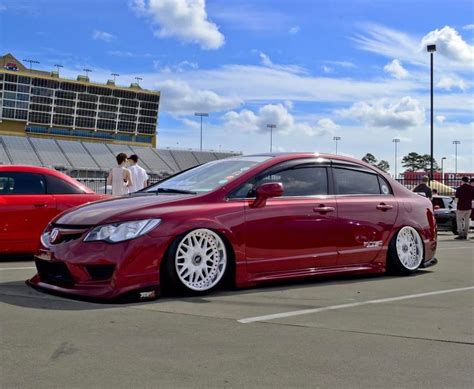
column 197, row 261
column 406, row 251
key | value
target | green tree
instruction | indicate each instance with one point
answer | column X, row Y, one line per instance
column 383, row 165
column 414, row 162
column 369, row 158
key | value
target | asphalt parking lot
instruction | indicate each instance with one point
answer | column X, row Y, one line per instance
column 371, row 332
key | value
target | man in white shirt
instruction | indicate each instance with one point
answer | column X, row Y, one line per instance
column 139, row 175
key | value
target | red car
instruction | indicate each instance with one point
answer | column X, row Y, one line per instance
column 252, row 219
column 29, row 198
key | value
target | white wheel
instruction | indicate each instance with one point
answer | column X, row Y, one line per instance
column 200, row 260
column 409, row 248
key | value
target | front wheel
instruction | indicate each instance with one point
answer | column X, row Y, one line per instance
column 405, row 252
column 197, row 262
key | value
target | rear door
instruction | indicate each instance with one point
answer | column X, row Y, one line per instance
column 25, row 209
column 367, row 211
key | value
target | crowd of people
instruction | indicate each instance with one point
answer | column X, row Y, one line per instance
column 464, row 198
column 127, row 177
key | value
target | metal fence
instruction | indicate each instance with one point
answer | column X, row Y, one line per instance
column 445, row 186
column 99, row 185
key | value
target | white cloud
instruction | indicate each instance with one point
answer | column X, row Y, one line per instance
column 118, row 53
column 294, row 30
column 178, row 68
column 407, row 112
column 344, row 64
column 2, row 8
column 450, row 44
column 396, row 69
column 277, row 114
column 184, row 19
column 267, row 62
column 468, row 27
column 449, row 83
column 440, row 119
column 103, row 36
column 327, row 69
column 180, row 99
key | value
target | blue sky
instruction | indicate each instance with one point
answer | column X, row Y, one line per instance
column 317, row 69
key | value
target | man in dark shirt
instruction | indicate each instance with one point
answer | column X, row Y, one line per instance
column 424, row 188
column 463, row 212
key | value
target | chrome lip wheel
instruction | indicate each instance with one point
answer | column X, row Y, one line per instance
column 409, row 248
column 201, row 260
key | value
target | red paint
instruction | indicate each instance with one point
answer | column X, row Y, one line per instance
column 24, row 217
column 285, row 238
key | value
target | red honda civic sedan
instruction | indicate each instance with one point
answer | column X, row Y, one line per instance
column 30, row 197
column 250, row 219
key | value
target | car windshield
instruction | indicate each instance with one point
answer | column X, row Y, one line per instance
column 207, row 177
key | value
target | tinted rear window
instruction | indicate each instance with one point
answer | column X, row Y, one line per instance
column 355, row 182
column 15, row 183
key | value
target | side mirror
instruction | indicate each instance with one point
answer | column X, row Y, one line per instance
column 266, row 191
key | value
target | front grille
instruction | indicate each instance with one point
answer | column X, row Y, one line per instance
column 100, row 272
column 54, row 272
column 65, row 233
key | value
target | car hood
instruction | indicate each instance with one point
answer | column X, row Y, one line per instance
column 118, row 209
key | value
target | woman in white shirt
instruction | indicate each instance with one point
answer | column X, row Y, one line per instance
column 120, row 177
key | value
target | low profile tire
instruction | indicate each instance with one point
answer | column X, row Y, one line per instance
column 197, row 262
column 405, row 253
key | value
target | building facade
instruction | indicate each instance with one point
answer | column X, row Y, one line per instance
column 41, row 104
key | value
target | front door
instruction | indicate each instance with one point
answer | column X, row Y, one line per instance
column 25, row 210
column 297, row 231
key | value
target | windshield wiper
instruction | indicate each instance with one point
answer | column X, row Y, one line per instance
column 173, row 190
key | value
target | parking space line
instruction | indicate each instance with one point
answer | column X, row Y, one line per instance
column 17, row 268
column 351, row 305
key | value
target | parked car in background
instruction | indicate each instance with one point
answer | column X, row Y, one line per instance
column 30, row 197
column 444, row 208
column 248, row 219
column 445, row 214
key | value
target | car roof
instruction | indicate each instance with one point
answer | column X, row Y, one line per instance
column 44, row 170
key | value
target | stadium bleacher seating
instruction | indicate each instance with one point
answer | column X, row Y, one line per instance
column 101, row 154
column 185, row 159
column 77, row 154
column 21, row 151
column 97, row 157
column 50, row 153
column 4, row 159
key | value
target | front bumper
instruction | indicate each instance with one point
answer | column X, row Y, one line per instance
column 100, row 270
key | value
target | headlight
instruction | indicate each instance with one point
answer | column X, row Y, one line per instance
column 119, row 232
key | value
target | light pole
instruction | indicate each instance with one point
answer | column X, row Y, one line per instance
column 57, row 67
column 201, row 114
column 442, row 169
column 456, row 143
column 396, row 141
column 31, row 62
column 431, row 49
column 337, row 139
column 271, row 127
column 87, row 72
column 138, row 80
column 115, row 75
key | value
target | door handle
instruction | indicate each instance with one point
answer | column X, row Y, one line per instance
column 384, row 207
column 40, row 205
column 323, row 209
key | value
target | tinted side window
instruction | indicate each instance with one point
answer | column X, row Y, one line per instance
column 12, row 183
column 438, row 202
column 58, row 186
column 350, row 182
column 297, row 181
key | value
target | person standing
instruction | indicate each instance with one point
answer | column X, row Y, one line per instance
column 139, row 175
column 120, row 177
column 424, row 188
column 464, row 205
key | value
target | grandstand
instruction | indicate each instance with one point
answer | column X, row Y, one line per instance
column 87, row 159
